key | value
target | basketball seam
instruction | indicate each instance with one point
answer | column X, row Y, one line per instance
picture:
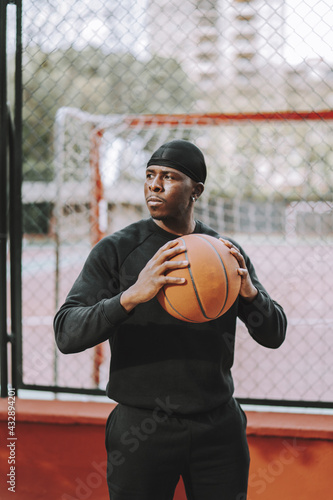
column 172, row 307
column 195, row 288
column 168, row 301
column 226, row 277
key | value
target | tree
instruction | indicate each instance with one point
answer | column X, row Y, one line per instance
column 97, row 83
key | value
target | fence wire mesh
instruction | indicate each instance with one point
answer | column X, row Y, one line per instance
column 94, row 65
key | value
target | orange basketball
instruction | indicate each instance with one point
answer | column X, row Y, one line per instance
column 212, row 281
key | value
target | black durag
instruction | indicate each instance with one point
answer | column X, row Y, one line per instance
column 183, row 156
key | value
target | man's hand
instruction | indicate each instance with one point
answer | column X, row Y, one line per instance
column 247, row 290
column 152, row 277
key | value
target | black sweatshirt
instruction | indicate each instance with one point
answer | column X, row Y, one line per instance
column 155, row 357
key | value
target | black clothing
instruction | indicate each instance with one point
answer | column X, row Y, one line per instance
column 148, row 450
column 155, row 356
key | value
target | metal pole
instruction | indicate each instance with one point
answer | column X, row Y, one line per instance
column 3, row 201
column 15, row 211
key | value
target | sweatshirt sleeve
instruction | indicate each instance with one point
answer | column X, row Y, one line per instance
column 264, row 318
column 92, row 309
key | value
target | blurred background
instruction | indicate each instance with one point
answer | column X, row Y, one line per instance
column 251, row 83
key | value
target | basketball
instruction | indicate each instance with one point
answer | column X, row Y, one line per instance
column 212, row 281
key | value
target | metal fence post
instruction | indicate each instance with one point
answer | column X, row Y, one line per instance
column 15, row 211
column 3, row 201
column 10, row 205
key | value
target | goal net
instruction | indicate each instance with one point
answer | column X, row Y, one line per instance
column 101, row 159
column 266, row 174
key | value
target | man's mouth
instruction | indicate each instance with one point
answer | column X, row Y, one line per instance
column 154, row 200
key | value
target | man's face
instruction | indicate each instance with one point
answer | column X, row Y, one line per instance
column 168, row 192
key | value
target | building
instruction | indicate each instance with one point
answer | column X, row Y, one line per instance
column 218, row 40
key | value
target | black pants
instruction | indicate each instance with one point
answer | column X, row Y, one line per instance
column 148, row 451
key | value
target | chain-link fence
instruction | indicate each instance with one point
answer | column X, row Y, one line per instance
column 251, row 82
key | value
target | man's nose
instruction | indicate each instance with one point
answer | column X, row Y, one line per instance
column 156, row 184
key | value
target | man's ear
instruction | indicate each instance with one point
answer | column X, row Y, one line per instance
column 198, row 189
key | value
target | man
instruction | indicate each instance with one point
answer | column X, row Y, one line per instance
column 176, row 415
